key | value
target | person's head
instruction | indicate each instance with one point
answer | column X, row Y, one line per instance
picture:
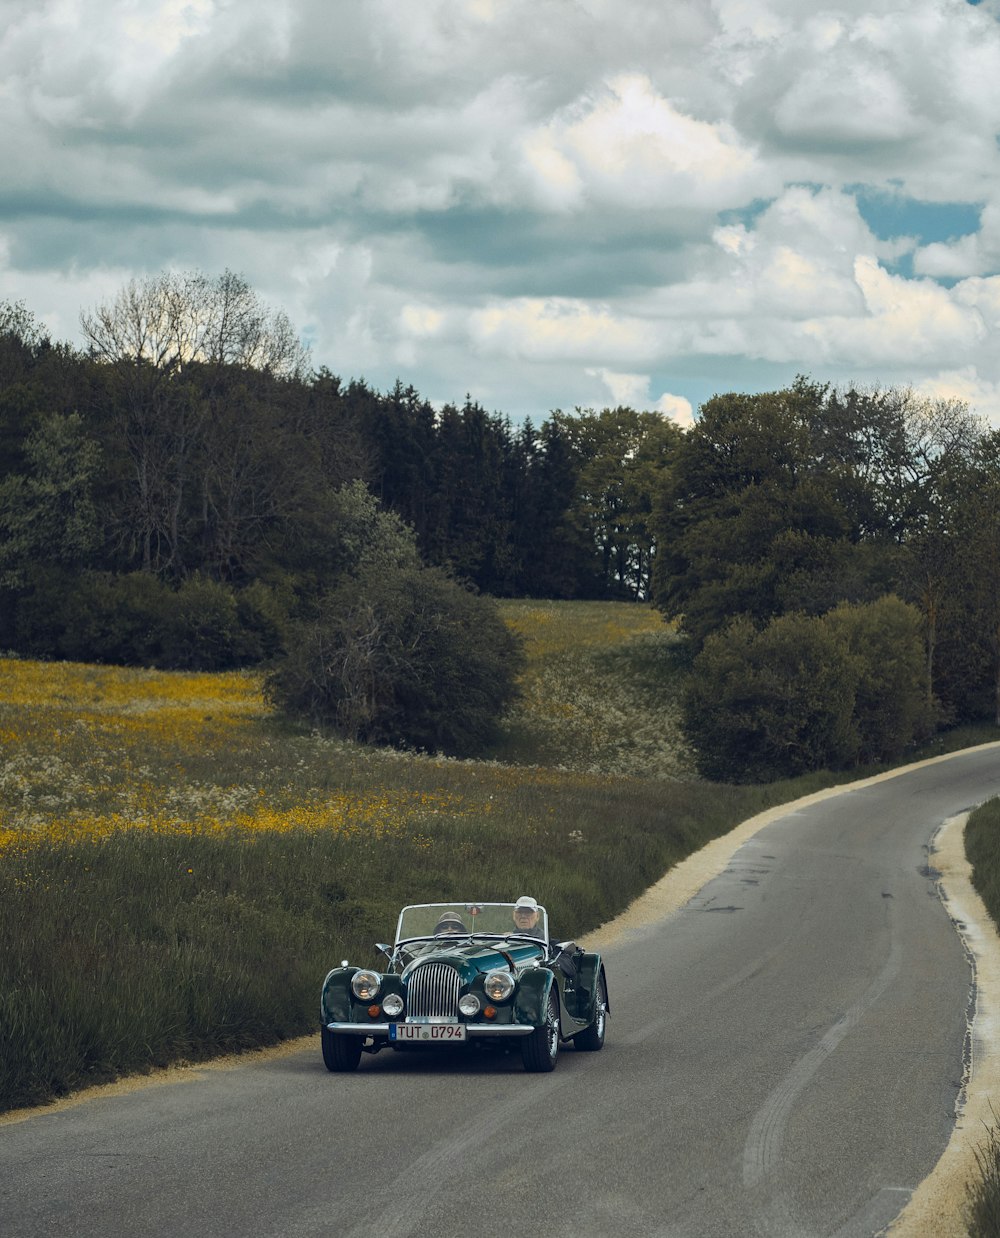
column 449, row 922
column 525, row 914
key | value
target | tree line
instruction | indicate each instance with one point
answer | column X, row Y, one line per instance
column 190, row 437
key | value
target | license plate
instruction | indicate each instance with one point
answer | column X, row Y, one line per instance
column 419, row 1032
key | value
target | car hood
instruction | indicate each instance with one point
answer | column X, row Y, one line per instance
column 478, row 957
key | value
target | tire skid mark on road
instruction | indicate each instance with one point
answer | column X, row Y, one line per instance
column 767, row 1130
column 414, row 1189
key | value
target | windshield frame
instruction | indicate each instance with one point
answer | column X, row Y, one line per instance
column 499, row 915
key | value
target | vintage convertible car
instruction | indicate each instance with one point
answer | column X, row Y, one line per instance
column 478, row 979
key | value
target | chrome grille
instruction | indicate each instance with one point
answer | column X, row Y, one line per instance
column 432, row 992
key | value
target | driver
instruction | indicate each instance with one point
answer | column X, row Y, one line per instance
column 526, row 916
column 449, row 922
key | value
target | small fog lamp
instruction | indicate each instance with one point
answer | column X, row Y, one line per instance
column 393, row 1005
column 469, row 1005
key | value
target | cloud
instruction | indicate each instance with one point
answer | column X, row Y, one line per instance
column 965, row 385
column 974, row 254
column 625, row 144
column 632, row 391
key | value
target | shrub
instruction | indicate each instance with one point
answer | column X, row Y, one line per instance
column 136, row 619
column 409, row 659
column 107, row 618
column 763, row 705
column 201, row 631
column 893, row 707
column 808, row 693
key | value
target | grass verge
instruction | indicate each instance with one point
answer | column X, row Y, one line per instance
column 982, row 849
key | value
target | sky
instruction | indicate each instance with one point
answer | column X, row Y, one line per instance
column 540, row 204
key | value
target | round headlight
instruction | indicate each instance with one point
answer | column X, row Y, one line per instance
column 469, row 1005
column 499, row 985
column 393, row 1005
column 365, row 985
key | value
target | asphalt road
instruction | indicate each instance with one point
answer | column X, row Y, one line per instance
column 783, row 1058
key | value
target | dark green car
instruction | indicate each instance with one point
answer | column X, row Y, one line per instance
column 467, row 973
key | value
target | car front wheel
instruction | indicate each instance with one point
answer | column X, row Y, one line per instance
column 539, row 1050
column 340, row 1053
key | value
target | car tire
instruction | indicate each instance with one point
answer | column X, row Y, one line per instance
column 592, row 1037
column 540, row 1049
column 340, row 1052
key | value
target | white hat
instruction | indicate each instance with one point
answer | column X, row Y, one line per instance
column 527, row 901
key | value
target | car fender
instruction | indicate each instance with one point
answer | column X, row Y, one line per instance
column 532, row 995
column 336, row 996
column 590, row 969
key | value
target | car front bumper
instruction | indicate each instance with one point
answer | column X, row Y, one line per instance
column 472, row 1030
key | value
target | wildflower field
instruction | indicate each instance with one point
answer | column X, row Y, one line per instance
column 179, row 867
column 599, row 693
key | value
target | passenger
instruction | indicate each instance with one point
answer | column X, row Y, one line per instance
column 449, row 922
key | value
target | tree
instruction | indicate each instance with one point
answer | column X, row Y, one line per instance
column 155, row 337
column 798, row 500
column 893, row 704
column 742, row 478
column 48, row 515
column 621, row 454
column 978, row 559
column 407, row 658
column 769, row 704
column 555, row 559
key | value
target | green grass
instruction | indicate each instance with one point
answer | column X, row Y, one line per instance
column 599, row 693
column 983, row 1199
column 982, row 848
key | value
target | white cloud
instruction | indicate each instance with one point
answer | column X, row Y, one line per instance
column 626, row 144
column 974, row 254
column 677, row 408
column 559, row 329
column 982, row 395
column 632, row 391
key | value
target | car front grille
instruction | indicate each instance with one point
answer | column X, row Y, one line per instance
column 432, row 992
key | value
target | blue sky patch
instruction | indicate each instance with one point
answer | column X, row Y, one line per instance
column 889, row 215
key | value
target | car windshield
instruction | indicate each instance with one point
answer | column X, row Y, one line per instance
column 493, row 919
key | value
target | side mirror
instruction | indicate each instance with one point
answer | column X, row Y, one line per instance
column 386, row 950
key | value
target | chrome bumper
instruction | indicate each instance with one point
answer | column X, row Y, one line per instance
column 471, row 1029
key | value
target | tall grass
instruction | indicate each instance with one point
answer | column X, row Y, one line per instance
column 600, row 690
column 982, row 849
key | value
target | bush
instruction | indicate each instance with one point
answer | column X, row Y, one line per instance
column 809, row 693
column 893, row 706
column 409, row 659
column 101, row 617
column 763, row 705
column 202, row 629
column 135, row 619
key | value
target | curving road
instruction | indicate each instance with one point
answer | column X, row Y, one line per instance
column 784, row 1058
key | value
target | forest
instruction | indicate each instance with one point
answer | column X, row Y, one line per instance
column 186, row 491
